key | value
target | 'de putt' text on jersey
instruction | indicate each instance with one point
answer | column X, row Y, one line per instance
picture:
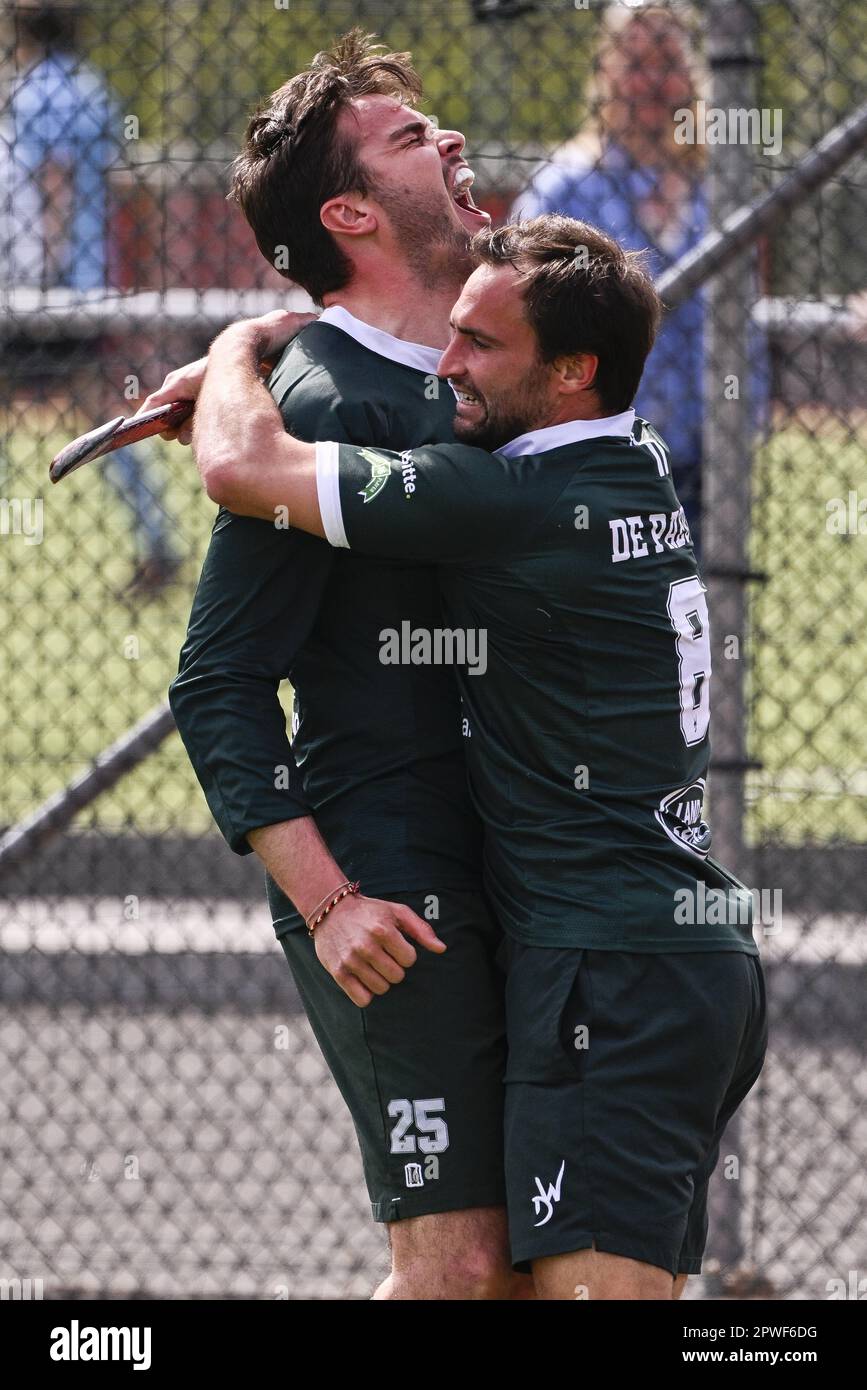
column 589, row 725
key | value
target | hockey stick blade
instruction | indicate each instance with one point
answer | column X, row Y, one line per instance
column 117, row 433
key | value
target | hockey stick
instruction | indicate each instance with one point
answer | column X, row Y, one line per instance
column 120, row 431
column 115, row 434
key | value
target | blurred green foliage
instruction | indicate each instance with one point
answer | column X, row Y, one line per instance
column 192, row 70
column 508, row 80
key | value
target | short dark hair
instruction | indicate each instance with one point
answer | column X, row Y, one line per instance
column 293, row 159
column 583, row 293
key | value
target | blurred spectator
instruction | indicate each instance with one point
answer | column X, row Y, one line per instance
column 63, row 128
column 21, row 250
column 629, row 176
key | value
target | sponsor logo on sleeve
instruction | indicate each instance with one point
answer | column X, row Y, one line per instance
column 380, row 472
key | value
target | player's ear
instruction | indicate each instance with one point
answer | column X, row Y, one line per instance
column 575, row 373
column 347, row 216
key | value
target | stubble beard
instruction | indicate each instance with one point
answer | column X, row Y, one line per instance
column 525, row 411
column 434, row 246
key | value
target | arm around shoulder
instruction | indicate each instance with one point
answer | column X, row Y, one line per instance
column 246, row 460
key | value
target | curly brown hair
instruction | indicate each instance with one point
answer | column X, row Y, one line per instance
column 293, row 158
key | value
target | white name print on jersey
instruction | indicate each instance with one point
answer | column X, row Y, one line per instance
column 635, row 536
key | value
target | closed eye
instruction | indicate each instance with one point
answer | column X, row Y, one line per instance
column 416, row 133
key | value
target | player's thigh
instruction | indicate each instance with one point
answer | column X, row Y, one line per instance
column 421, row 1068
column 618, row 1066
column 748, row 1066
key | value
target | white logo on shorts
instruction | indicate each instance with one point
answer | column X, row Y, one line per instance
column 548, row 1198
column 413, row 1175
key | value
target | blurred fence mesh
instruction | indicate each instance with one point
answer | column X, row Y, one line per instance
column 169, row 1127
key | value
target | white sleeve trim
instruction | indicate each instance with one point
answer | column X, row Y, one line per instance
column 328, row 490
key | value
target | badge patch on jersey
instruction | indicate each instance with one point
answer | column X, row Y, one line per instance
column 380, row 472
column 680, row 815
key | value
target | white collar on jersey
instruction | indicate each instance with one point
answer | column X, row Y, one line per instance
column 571, row 432
column 424, row 359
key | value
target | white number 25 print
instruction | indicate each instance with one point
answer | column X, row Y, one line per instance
column 687, row 609
column 432, row 1131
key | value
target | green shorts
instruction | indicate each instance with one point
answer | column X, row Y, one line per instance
column 421, row 1068
column 624, row 1070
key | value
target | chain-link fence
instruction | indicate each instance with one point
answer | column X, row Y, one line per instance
column 169, row 1127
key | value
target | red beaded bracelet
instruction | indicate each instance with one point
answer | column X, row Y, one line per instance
column 327, row 904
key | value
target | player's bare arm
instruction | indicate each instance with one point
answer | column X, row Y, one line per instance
column 362, row 942
column 247, row 461
column 184, row 383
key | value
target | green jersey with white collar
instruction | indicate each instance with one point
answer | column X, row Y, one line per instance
column 577, row 619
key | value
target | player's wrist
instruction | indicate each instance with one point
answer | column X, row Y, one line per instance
column 330, row 903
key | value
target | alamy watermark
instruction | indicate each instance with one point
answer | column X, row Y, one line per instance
column 20, row 1290
column 853, row 1288
column 846, row 516
column 734, row 907
column 77, row 1343
column 739, row 125
column 22, row 516
column 438, row 646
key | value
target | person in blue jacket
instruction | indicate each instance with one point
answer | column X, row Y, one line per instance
column 628, row 174
column 63, row 129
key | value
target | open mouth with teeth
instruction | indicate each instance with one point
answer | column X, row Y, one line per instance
column 472, row 218
column 466, row 399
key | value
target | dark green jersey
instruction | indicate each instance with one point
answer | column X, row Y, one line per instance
column 578, row 623
column 377, row 751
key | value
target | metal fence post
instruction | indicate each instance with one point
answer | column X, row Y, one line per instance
column 726, row 465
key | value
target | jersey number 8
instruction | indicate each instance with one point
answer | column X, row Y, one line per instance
column 687, row 609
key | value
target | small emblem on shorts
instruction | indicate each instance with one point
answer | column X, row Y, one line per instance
column 546, row 1199
column 413, row 1175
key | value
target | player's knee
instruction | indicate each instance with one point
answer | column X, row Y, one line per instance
column 475, row 1272
column 489, row 1273
column 469, row 1273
